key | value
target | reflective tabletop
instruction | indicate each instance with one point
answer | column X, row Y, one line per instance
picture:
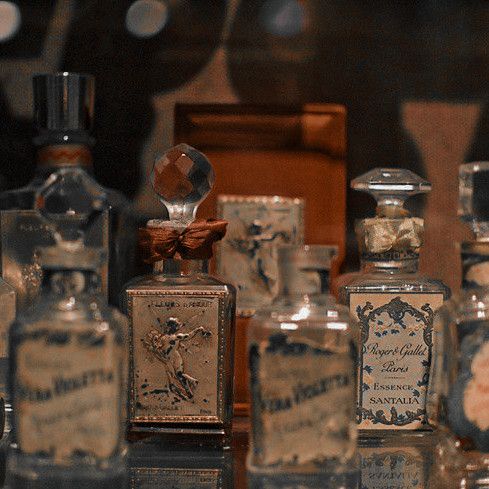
column 410, row 465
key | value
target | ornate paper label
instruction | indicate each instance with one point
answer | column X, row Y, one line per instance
column 67, row 394
column 175, row 357
column 301, row 396
column 247, row 254
column 389, row 468
column 22, row 233
column 396, row 335
column 476, row 395
column 149, row 478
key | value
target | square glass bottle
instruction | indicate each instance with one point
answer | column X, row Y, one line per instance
column 181, row 319
column 302, row 358
column 63, row 117
column 67, row 358
column 394, row 307
column 458, row 402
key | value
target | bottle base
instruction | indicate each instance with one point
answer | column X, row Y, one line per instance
column 22, row 468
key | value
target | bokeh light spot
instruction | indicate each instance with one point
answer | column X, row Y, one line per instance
column 283, row 17
column 146, row 18
column 10, row 20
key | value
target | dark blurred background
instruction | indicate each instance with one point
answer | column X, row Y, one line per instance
column 412, row 74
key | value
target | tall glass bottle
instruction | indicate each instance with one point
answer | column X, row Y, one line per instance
column 302, row 357
column 459, row 393
column 181, row 319
column 394, row 306
column 63, row 116
column 67, row 353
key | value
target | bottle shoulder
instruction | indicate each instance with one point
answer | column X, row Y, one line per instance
column 467, row 305
column 391, row 283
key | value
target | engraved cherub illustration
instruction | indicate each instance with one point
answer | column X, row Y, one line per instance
column 165, row 347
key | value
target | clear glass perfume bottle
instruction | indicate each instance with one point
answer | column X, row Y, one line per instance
column 63, row 115
column 302, row 357
column 67, row 358
column 394, row 306
column 181, row 319
column 459, row 392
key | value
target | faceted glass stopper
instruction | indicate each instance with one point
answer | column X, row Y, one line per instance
column 182, row 177
column 473, row 205
column 70, row 200
column 391, row 186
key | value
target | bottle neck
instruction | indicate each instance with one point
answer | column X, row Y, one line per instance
column 389, row 266
column 71, row 283
column 54, row 156
column 181, row 268
column 299, row 284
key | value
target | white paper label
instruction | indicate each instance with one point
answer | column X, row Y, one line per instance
column 303, row 403
column 395, row 358
column 67, row 395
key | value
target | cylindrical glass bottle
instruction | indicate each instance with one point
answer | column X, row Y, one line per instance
column 302, row 354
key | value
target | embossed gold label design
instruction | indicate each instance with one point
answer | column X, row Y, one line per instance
column 389, row 468
column 175, row 357
column 396, row 335
column 67, row 394
column 148, row 478
column 22, row 233
column 303, row 402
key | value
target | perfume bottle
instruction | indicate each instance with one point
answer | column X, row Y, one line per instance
column 302, row 358
column 8, row 308
column 63, row 116
column 394, row 307
column 181, row 319
column 67, row 358
column 459, row 393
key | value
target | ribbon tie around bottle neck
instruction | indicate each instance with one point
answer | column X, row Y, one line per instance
column 383, row 235
column 192, row 243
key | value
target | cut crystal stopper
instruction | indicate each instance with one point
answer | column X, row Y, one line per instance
column 70, row 200
column 391, row 187
column 473, row 205
column 182, row 177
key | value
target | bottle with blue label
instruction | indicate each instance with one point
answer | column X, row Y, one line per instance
column 459, row 394
column 394, row 306
column 302, row 360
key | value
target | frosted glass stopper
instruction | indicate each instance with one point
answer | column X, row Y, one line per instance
column 473, row 205
column 182, row 177
column 391, row 187
column 70, row 200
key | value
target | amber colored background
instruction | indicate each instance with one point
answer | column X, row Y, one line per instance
column 412, row 75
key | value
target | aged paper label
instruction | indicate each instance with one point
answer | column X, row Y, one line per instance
column 390, row 468
column 149, row 478
column 175, row 357
column 396, row 335
column 67, row 394
column 301, row 395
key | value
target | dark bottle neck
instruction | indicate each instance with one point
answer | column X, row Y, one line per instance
column 51, row 157
column 71, row 283
column 389, row 267
column 181, row 268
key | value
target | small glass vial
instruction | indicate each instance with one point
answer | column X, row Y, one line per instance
column 63, row 118
column 394, row 307
column 181, row 319
column 67, row 359
column 459, row 392
column 302, row 357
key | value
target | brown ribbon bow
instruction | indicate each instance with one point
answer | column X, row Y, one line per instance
column 193, row 243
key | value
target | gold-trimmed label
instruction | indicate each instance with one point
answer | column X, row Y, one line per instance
column 176, row 344
column 396, row 335
column 67, row 394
